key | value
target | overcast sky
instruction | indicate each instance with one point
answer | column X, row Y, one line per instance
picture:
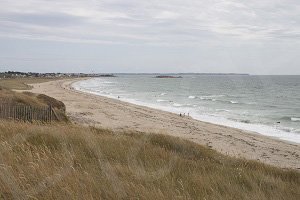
column 257, row 36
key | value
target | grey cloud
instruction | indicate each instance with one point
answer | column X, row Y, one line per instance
column 254, row 36
column 157, row 20
column 43, row 19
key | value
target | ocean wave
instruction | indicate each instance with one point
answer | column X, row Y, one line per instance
column 219, row 100
column 207, row 98
column 177, row 104
column 271, row 106
column 297, row 131
column 246, row 121
column 288, row 118
column 295, row 119
column 106, row 83
column 286, row 129
column 192, row 97
column 163, row 94
column 251, row 103
column 162, row 100
column 211, row 96
column 228, row 101
column 217, row 95
column 222, row 110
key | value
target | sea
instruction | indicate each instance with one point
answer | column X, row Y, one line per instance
column 267, row 105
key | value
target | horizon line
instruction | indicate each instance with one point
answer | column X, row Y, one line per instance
column 183, row 73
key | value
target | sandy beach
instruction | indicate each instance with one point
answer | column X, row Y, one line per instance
column 89, row 109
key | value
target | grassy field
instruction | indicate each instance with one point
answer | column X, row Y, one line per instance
column 22, row 83
column 71, row 162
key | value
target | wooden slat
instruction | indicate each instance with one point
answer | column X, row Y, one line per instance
column 28, row 113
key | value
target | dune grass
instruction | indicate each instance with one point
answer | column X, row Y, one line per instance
column 63, row 161
column 7, row 95
column 22, row 83
column 11, row 98
column 16, row 98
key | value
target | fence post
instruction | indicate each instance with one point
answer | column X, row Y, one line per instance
column 49, row 113
column 55, row 114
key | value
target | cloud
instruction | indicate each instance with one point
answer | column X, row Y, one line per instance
column 51, row 19
column 156, row 22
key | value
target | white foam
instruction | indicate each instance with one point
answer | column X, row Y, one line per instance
column 234, row 102
column 212, row 96
column 178, row 108
column 177, row 104
column 192, row 97
column 223, row 110
column 295, row 119
column 107, row 82
column 251, row 103
column 162, row 100
column 258, row 128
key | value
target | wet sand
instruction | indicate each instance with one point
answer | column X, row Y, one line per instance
column 94, row 110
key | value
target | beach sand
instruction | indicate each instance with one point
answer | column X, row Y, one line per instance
column 94, row 110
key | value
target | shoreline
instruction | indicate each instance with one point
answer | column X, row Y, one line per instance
column 261, row 129
column 94, row 110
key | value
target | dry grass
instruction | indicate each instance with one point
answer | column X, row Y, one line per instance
column 16, row 98
column 22, row 83
column 8, row 96
column 12, row 98
column 72, row 162
column 46, row 100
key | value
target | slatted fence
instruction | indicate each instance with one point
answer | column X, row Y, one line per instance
column 28, row 113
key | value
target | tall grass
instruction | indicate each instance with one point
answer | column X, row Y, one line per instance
column 22, row 83
column 16, row 98
column 11, row 98
column 63, row 161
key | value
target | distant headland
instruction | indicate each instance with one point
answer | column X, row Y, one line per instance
column 14, row 74
column 180, row 75
column 164, row 76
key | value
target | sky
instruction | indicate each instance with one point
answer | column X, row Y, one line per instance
column 146, row 36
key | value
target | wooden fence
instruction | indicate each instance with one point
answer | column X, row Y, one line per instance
column 28, row 113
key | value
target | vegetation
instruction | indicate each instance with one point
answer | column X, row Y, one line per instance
column 63, row 161
column 17, row 98
column 12, row 98
column 22, row 83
